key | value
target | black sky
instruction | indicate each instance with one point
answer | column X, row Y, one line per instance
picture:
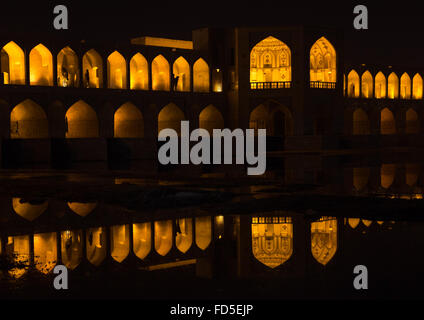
column 395, row 35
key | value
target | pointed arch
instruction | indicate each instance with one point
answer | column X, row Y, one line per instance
column 405, row 86
column 116, row 71
column 18, row 248
column 40, row 66
column 92, row 65
column 387, row 175
column 353, row 84
column 142, row 239
column 28, row 121
column 211, row 118
column 184, row 234
column 353, row 222
column 139, row 72
column 81, row 121
column 13, row 64
column 324, row 239
column 201, row 73
column 380, row 85
column 96, row 245
column 68, row 74
column 361, row 123
column 323, row 64
column 387, row 122
column 27, row 210
column 120, row 242
column 128, row 122
column 71, row 248
column 82, row 208
column 367, row 85
column 203, row 227
column 412, row 122
column 360, row 178
column 417, row 86
column 393, row 86
column 163, row 237
column 160, row 74
column 270, row 61
column 181, row 74
column 45, row 251
column 170, row 117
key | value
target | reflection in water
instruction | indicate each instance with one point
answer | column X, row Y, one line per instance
column 142, row 239
column 366, row 223
column 96, row 245
column 82, row 209
column 71, row 248
column 45, row 251
column 360, row 178
column 272, row 240
column 18, row 248
column 163, row 237
column 324, row 239
column 28, row 210
column 353, row 222
column 412, row 171
column 120, row 242
column 387, row 175
column 184, row 234
column 203, row 227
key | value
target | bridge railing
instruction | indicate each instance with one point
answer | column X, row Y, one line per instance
column 270, row 85
column 322, row 85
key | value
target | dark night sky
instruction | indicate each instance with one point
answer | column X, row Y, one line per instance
column 395, row 35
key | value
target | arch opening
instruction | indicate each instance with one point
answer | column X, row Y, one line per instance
column 120, row 242
column 417, row 86
column 367, row 85
column 170, row 117
column 181, row 75
column 45, row 251
column 160, row 74
column 81, row 121
column 412, row 122
column 96, row 245
column 71, row 248
column 211, row 118
column 387, row 122
column 13, row 64
column 139, row 73
column 405, row 86
column 142, row 239
column 353, row 84
column 201, row 76
column 28, row 121
column 163, row 237
column 41, row 66
column 128, row 122
column 380, row 86
column 92, row 65
column 116, row 71
column 68, row 74
column 324, row 239
column 184, row 234
column 323, row 62
column 393, row 86
column 361, row 123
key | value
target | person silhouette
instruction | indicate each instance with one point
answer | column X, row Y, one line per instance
column 87, row 79
column 175, row 84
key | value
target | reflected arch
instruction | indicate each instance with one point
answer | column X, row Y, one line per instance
column 324, row 239
column 128, row 122
column 68, row 74
column 40, row 66
column 96, row 245
column 82, row 209
column 203, row 227
column 142, row 239
column 81, row 121
column 13, row 64
column 92, row 65
column 45, row 251
column 139, row 73
column 71, row 248
column 278, row 122
column 116, row 71
column 29, row 210
column 163, row 237
column 120, row 242
column 184, row 234
column 160, row 74
column 170, row 117
column 28, row 121
column 387, row 175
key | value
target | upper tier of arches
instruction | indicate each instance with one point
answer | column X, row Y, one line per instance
column 40, row 67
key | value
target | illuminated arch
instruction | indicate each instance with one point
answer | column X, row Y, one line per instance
column 45, row 251
column 353, row 84
column 120, row 242
column 18, row 248
column 40, row 66
column 181, row 69
column 116, row 71
column 353, row 222
column 412, row 122
column 393, row 86
column 201, row 76
column 142, row 239
column 367, row 85
column 28, row 121
column 81, row 121
column 139, row 73
column 128, row 122
column 68, row 74
column 417, row 87
column 29, row 210
column 184, row 237
column 380, row 86
column 92, row 65
column 272, row 240
column 361, row 123
column 82, row 209
column 211, row 118
column 387, row 175
column 270, row 61
column 324, row 239
column 203, row 227
column 160, row 74
column 323, row 61
column 96, row 245
column 163, row 237
column 387, row 122
column 71, row 248
column 170, row 117
column 13, row 64
column 360, row 178
column 405, row 86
